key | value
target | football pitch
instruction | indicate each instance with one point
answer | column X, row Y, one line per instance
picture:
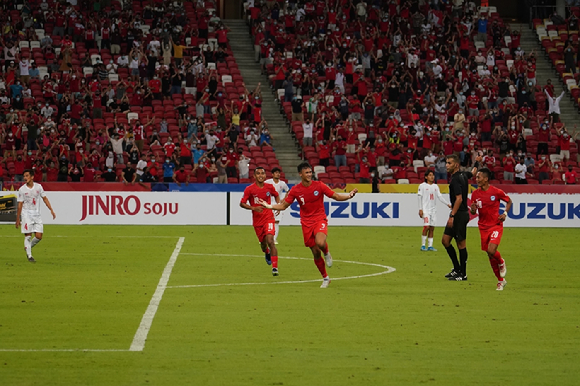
column 195, row 305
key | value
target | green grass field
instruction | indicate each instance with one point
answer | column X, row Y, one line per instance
column 92, row 285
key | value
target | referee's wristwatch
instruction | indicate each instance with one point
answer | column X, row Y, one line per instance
column 451, row 215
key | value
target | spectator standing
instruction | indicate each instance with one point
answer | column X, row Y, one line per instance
column 521, row 172
column 509, row 164
column 307, row 127
column 544, row 166
column 571, row 177
column 554, row 106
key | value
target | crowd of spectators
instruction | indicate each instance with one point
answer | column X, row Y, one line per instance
column 139, row 91
column 384, row 89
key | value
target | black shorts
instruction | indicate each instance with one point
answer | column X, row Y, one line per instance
column 459, row 230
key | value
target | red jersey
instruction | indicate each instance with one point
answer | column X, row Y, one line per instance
column 488, row 206
column 254, row 194
column 311, row 201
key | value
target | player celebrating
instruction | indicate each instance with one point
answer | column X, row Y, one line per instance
column 428, row 208
column 28, row 214
column 262, row 219
column 459, row 217
column 485, row 200
column 282, row 189
column 310, row 196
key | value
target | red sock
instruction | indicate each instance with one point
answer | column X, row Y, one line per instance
column 325, row 250
column 267, row 250
column 495, row 267
column 498, row 257
column 274, row 261
column 321, row 267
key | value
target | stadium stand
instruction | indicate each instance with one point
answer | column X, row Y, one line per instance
column 89, row 88
column 391, row 87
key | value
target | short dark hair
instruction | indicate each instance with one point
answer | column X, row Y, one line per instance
column 486, row 172
column 29, row 171
column 454, row 157
column 276, row 170
column 303, row 165
column 427, row 172
column 258, row 168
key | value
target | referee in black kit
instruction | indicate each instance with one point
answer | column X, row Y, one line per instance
column 459, row 217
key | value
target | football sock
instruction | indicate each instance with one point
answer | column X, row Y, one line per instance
column 495, row 268
column 430, row 241
column 321, row 266
column 34, row 242
column 498, row 258
column 325, row 250
column 453, row 256
column 277, row 227
column 274, row 261
column 463, row 260
column 423, row 239
column 27, row 246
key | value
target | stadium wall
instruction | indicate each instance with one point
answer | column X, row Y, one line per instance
column 222, row 208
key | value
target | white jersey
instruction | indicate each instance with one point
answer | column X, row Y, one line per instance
column 30, row 199
column 427, row 193
column 280, row 187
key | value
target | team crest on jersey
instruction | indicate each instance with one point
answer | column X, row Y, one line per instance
column 316, row 192
column 492, row 198
column 268, row 194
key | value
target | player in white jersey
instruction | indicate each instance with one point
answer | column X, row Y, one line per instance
column 428, row 208
column 28, row 215
column 282, row 189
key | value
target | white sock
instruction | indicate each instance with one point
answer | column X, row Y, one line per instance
column 27, row 245
column 277, row 231
column 423, row 239
column 34, row 242
column 431, row 242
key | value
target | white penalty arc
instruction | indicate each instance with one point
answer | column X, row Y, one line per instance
column 387, row 269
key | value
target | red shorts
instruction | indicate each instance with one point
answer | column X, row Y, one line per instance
column 490, row 236
column 265, row 229
column 309, row 233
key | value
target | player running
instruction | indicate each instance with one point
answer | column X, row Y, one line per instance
column 282, row 189
column 428, row 208
column 28, row 214
column 262, row 219
column 485, row 200
column 310, row 196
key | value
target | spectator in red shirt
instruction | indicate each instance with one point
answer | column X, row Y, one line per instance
column 509, row 164
column 571, row 177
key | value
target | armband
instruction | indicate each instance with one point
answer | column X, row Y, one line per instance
column 268, row 206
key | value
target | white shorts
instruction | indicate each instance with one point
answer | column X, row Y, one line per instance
column 31, row 224
column 429, row 219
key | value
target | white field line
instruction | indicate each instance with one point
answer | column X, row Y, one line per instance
column 117, row 236
column 388, row 270
column 138, row 343
column 62, row 350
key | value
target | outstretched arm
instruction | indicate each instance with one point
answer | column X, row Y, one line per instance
column 279, row 206
column 344, row 196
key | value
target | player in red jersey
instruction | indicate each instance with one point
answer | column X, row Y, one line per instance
column 262, row 219
column 310, row 196
column 485, row 200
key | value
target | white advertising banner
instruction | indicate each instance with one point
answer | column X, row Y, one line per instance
column 210, row 208
column 136, row 208
column 399, row 209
